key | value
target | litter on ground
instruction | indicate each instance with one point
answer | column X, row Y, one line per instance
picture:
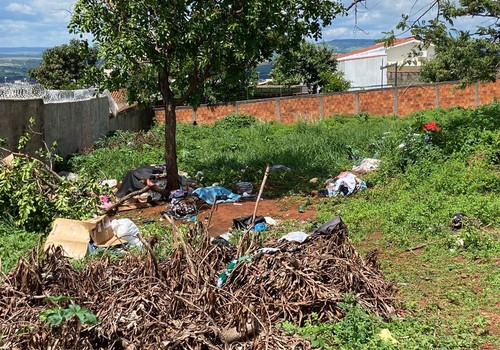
column 174, row 303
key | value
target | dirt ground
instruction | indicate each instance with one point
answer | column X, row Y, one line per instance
column 222, row 218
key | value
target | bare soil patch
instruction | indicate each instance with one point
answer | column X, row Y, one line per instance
column 222, row 219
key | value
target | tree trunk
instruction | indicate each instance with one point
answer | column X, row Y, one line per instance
column 170, row 145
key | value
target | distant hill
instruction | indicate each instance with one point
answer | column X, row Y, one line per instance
column 14, row 67
column 338, row 45
column 22, row 51
column 348, row 45
column 16, row 61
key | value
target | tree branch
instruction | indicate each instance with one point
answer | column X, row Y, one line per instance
column 195, row 82
column 128, row 196
column 23, row 155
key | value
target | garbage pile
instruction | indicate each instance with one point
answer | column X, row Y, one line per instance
column 174, row 303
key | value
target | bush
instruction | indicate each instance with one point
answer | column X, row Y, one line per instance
column 236, row 121
column 33, row 195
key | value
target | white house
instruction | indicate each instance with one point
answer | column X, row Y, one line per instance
column 377, row 66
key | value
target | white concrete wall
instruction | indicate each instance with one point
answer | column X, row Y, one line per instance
column 364, row 72
column 400, row 53
column 14, row 122
column 76, row 125
column 73, row 125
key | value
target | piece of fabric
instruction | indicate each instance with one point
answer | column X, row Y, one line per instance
column 367, row 164
column 345, row 184
column 243, row 222
column 297, row 236
column 212, row 193
column 181, row 210
column 133, row 180
column 331, row 226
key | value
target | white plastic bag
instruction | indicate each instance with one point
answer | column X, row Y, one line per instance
column 296, row 236
column 127, row 230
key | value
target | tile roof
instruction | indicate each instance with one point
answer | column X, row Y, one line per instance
column 374, row 47
column 120, row 98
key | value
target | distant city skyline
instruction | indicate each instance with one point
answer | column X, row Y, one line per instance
column 43, row 23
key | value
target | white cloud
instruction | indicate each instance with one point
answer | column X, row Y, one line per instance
column 48, row 21
column 46, row 26
column 31, row 33
column 336, row 32
column 20, row 8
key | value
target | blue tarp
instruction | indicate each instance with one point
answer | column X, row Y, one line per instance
column 208, row 194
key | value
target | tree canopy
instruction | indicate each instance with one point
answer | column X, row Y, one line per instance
column 174, row 47
column 465, row 55
column 461, row 58
column 313, row 65
column 62, row 67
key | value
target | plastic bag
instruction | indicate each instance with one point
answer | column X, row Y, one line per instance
column 126, row 229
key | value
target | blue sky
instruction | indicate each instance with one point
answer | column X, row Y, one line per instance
column 44, row 22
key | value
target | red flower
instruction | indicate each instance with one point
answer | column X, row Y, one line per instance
column 432, row 126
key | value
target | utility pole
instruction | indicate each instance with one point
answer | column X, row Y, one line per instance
column 395, row 65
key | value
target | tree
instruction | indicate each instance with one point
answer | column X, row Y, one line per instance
column 461, row 58
column 234, row 87
column 175, row 46
column 313, row 65
column 467, row 56
column 62, row 67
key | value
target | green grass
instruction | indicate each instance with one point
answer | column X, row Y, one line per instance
column 229, row 152
column 15, row 242
column 449, row 290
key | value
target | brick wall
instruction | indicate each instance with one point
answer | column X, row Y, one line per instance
column 399, row 101
column 416, row 99
column 183, row 115
column 376, row 102
column 344, row 103
column 450, row 96
column 488, row 91
column 261, row 109
column 297, row 109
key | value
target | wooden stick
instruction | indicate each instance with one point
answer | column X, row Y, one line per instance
column 266, row 174
column 420, row 246
column 246, row 238
column 147, row 246
column 128, row 196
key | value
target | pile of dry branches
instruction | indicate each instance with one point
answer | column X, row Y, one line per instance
column 142, row 303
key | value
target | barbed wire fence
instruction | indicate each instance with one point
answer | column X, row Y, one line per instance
column 23, row 91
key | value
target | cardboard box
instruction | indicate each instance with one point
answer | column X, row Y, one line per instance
column 74, row 236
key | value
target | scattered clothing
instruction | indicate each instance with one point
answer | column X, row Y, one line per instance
column 244, row 187
column 333, row 225
column 242, row 223
column 180, row 209
column 367, row 164
column 134, row 179
column 457, row 221
column 344, row 184
column 297, row 236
